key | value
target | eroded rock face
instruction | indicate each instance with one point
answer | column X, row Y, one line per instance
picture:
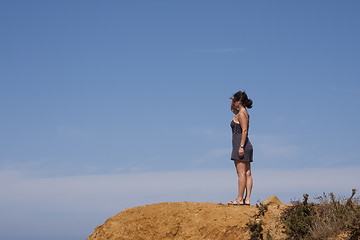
column 181, row 220
column 272, row 200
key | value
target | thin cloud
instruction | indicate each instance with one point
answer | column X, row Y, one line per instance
column 206, row 131
column 212, row 156
column 221, row 50
column 346, row 90
column 273, row 146
column 83, row 202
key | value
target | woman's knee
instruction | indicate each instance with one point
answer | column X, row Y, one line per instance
column 241, row 173
column 241, row 169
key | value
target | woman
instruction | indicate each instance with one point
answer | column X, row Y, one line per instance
column 242, row 152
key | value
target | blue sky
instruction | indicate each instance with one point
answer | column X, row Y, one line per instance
column 116, row 104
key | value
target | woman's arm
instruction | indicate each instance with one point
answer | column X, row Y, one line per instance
column 243, row 122
column 233, row 109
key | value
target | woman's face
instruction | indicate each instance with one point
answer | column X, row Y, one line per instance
column 237, row 104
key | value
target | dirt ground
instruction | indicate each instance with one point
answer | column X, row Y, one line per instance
column 188, row 220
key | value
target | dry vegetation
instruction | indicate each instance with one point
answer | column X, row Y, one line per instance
column 326, row 218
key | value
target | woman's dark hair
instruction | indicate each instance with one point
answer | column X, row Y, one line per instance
column 245, row 101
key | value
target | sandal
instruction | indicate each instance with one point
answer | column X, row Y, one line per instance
column 247, row 204
column 235, row 202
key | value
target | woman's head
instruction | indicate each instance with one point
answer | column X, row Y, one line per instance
column 243, row 99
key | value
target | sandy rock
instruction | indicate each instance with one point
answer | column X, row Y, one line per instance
column 185, row 220
column 272, row 200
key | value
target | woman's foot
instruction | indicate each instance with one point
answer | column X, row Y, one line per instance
column 246, row 202
column 235, row 202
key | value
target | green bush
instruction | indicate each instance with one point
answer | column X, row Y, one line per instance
column 298, row 218
column 328, row 217
column 255, row 226
column 255, row 229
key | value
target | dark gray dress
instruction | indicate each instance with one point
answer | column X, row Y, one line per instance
column 236, row 138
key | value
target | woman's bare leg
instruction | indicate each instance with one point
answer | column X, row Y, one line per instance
column 241, row 172
column 249, row 182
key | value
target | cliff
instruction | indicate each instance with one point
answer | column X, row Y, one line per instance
column 189, row 220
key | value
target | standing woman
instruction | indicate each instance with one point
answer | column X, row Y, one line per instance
column 242, row 151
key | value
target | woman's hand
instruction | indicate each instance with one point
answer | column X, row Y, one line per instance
column 241, row 152
column 233, row 108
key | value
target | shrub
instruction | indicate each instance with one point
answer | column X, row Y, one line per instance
column 255, row 229
column 298, row 218
column 329, row 217
column 255, row 226
column 262, row 208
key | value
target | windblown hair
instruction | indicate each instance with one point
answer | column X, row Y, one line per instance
column 245, row 101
